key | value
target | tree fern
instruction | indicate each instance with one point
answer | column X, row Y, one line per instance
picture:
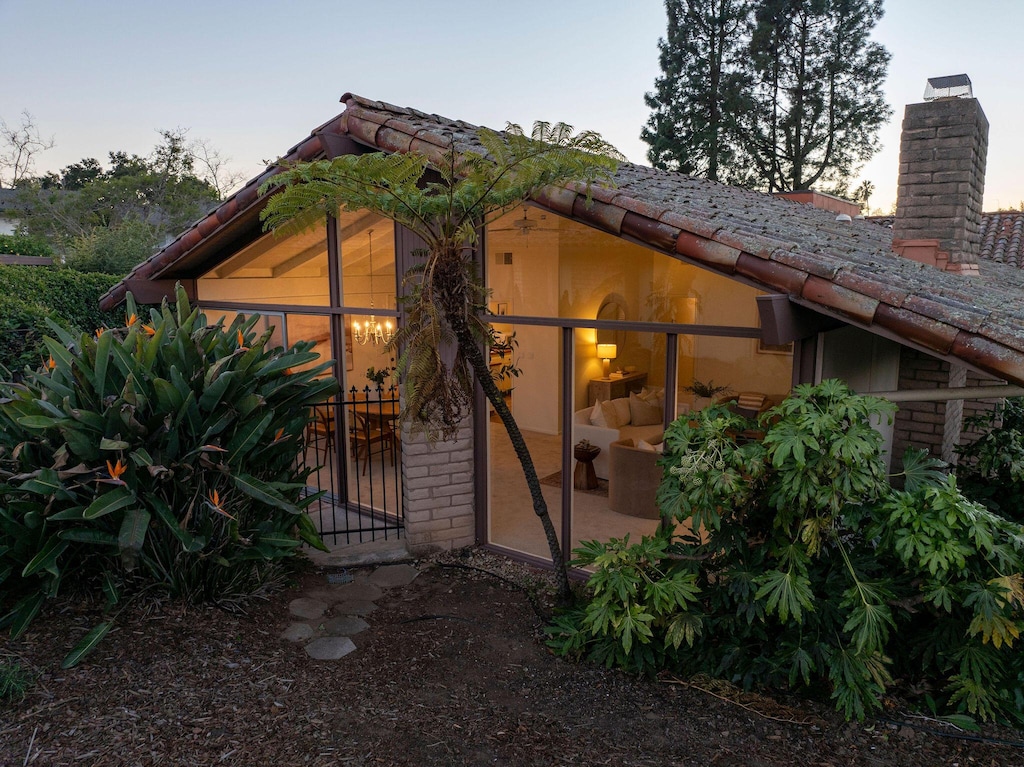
column 446, row 197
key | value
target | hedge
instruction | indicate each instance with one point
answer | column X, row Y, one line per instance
column 30, row 294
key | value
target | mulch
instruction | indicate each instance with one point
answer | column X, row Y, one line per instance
column 452, row 671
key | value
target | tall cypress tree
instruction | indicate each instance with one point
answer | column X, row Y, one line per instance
column 696, row 101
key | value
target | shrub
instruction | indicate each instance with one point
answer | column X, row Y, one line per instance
column 991, row 469
column 29, row 295
column 159, row 455
column 114, row 249
column 22, row 328
column 810, row 571
column 24, row 245
column 71, row 298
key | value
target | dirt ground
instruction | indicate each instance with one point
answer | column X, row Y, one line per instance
column 452, row 671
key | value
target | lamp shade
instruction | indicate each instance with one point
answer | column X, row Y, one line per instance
column 607, row 351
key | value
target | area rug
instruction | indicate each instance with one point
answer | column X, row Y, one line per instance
column 555, row 480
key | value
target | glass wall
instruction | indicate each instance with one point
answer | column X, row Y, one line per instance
column 540, row 265
column 367, row 260
column 290, row 270
column 535, row 401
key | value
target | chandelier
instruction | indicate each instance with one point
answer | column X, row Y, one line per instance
column 372, row 330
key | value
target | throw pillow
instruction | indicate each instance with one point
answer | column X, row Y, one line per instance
column 597, row 415
column 643, row 444
column 750, row 400
column 622, row 412
column 643, row 413
column 654, row 395
column 613, row 418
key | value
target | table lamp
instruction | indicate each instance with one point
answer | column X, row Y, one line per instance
column 607, row 352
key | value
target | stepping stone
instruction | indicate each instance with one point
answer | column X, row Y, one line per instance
column 307, row 608
column 393, row 575
column 345, row 625
column 361, row 589
column 330, row 648
column 297, row 632
column 355, row 607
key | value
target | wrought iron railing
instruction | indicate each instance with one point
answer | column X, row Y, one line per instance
column 353, row 453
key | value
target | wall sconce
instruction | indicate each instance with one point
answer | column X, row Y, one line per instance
column 607, row 352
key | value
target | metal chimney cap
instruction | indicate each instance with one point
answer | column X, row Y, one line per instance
column 844, row 218
column 949, row 87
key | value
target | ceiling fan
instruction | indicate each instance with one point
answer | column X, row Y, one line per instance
column 526, row 225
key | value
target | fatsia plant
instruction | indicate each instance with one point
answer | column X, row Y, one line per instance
column 160, row 454
column 804, row 567
column 446, row 202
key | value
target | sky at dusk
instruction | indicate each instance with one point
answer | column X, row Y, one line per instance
column 255, row 77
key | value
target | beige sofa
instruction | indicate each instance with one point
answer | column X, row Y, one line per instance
column 603, row 436
column 634, row 480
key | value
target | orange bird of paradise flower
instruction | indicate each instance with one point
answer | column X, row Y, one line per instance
column 115, row 471
column 150, row 330
column 132, row 319
column 214, row 501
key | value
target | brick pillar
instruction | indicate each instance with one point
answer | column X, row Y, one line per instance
column 920, row 424
column 437, row 491
column 943, row 152
column 954, row 423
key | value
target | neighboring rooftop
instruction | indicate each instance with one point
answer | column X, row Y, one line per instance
column 845, row 270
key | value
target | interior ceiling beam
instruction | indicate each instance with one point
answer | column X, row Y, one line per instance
column 300, row 258
column 261, row 247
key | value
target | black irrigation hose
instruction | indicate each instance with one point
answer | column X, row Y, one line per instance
column 545, row 618
column 955, row 735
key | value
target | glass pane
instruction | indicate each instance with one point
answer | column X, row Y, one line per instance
column 541, row 265
column 614, row 480
column 271, row 320
column 311, row 327
column 367, row 362
column 536, row 404
column 367, row 260
column 273, row 270
column 741, row 365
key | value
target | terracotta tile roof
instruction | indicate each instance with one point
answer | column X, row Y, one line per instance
column 846, row 270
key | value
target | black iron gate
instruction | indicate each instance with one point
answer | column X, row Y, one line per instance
column 353, row 450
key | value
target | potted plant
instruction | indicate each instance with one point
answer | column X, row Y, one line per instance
column 378, row 377
column 704, row 393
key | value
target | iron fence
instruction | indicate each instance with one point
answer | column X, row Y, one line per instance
column 353, row 455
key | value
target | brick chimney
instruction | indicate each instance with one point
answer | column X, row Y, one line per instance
column 942, row 177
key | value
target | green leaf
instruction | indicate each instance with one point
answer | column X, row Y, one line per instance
column 37, row 421
column 24, row 612
column 86, row 535
column 188, row 542
column 46, row 483
column 86, row 645
column 262, row 492
column 279, row 540
column 110, row 588
column 786, row 593
column 102, row 361
column 113, row 444
column 246, row 437
column 47, row 557
column 111, row 501
column 72, row 514
column 132, row 535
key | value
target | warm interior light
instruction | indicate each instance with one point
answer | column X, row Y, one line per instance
column 607, row 352
column 374, row 331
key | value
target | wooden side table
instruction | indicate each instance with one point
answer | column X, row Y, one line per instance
column 605, row 389
column 584, row 477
